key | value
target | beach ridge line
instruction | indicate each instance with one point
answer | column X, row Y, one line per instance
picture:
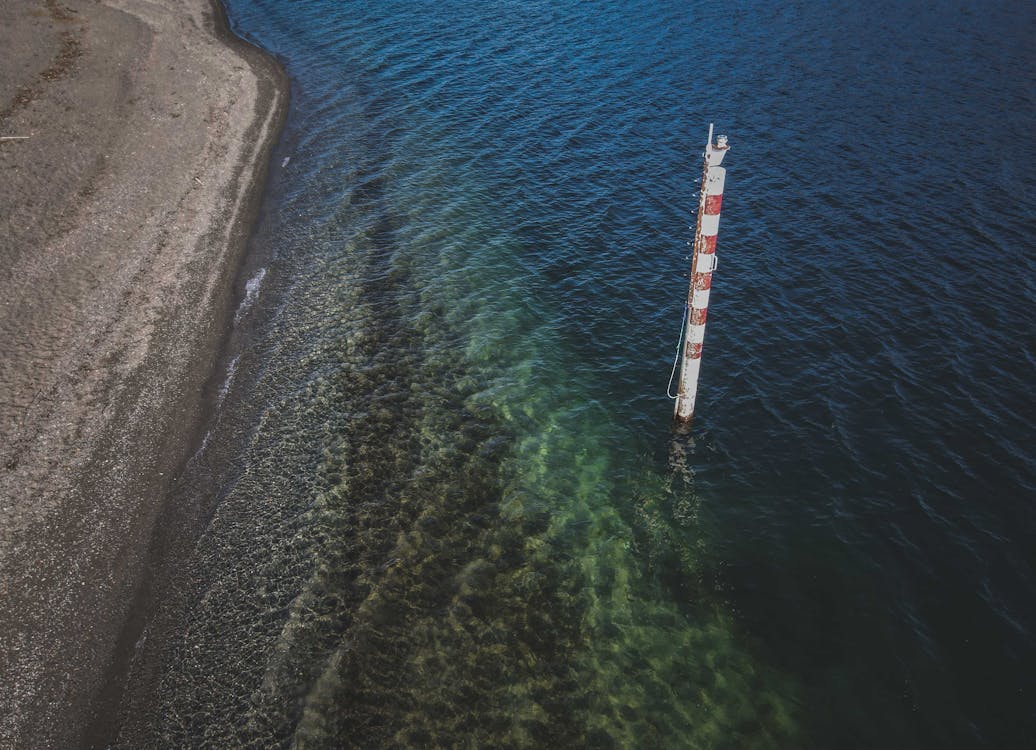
column 130, row 209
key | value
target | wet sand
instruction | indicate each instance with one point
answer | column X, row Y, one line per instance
column 135, row 141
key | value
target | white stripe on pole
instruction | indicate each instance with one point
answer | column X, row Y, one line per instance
column 714, row 182
column 706, row 263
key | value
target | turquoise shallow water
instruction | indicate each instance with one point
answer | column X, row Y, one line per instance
column 442, row 502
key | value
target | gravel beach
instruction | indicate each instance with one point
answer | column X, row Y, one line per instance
column 136, row 136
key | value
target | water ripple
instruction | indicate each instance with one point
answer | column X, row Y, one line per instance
column 454, row 513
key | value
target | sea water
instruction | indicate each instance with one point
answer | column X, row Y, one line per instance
column 447, row 507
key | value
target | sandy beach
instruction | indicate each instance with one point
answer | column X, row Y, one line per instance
column 135, row 141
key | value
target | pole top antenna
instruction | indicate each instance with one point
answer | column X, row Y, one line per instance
column 714, row 153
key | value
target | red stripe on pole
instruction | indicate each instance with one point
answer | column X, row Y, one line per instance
column 702, row 281
column 709, row 244
column 698, row 316
column 694, row 351
column 713, row 203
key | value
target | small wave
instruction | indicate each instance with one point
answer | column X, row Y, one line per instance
column 225, row 388
column 251, row 294
column 204, row 444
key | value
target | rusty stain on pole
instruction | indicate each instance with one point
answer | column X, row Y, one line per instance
column 703, row 263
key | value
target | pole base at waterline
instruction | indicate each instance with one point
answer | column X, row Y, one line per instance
column 681, row 426
column 682, row 414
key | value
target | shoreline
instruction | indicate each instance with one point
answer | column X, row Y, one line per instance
column 150, row 129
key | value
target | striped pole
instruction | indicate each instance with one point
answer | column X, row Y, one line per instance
column 703, row 263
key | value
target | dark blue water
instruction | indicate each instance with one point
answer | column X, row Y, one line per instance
column 449, row 507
